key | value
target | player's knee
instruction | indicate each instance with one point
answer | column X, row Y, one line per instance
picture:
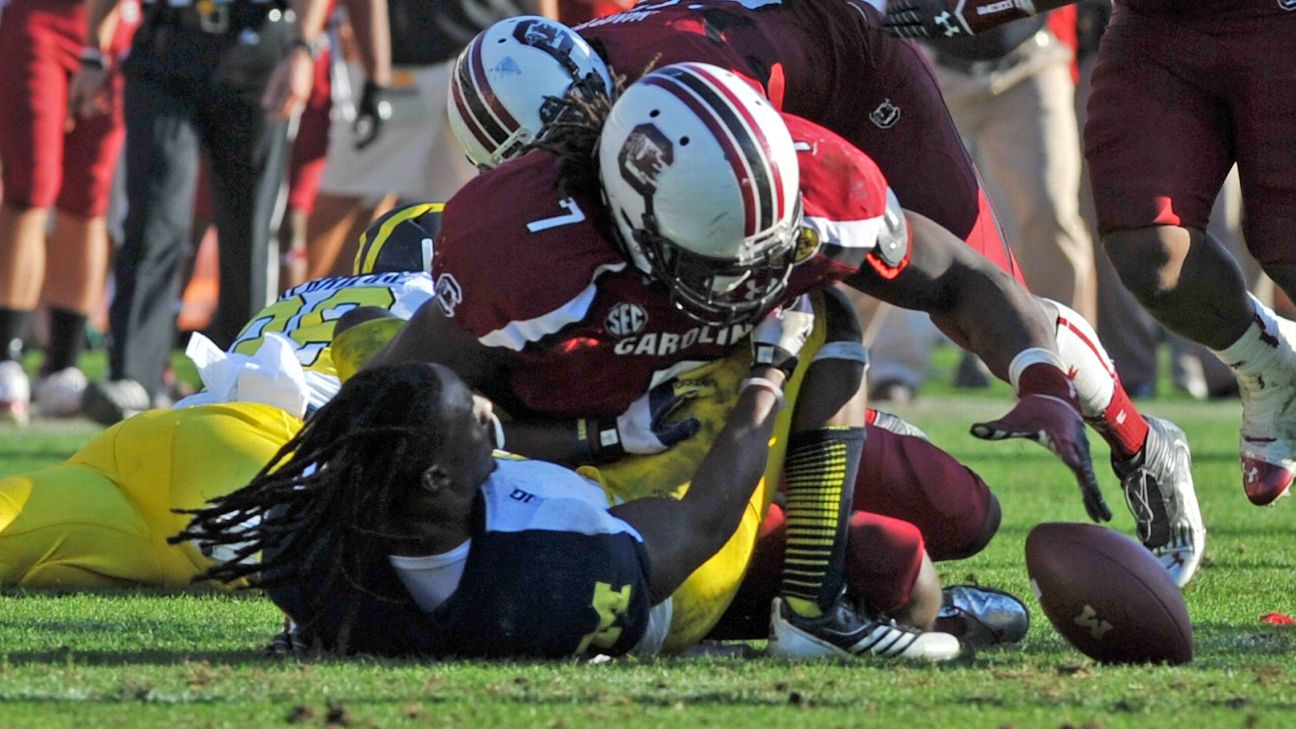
column 1148, row 259
column 984, row 531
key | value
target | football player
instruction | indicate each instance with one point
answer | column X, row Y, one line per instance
column 102, row 517
column 830, row 62
column 1181, row 92
column 388, row 527
column 564, row 297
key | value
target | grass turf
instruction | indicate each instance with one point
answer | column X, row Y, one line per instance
column 144, row 658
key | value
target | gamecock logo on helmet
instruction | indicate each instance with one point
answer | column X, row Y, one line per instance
column 645, row 153
column 544, row 36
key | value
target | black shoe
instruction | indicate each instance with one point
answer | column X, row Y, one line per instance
column 112, row 401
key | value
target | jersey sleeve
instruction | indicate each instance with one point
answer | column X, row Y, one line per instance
column 851, row 213
column 514, row 278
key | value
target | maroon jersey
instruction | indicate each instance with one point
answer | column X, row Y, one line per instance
column 809, row 56
column 1214, row 8
column 590, row 333
column 829, row 61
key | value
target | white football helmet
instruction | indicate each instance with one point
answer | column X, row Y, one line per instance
column 701, row 176
column 509, row 84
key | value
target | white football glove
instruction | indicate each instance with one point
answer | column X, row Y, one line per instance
column 778, row 339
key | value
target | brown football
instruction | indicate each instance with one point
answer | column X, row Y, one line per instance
column 1107, row 595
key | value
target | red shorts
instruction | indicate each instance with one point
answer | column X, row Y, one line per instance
column 1176, row 101
column 44, row 163
column 913, row 498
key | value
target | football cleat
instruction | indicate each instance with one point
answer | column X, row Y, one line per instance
column 844, row 632
column 15, row 394
column 112, row 401
column 1158, row 487
column 895, row 424
column 1267, row 447
column 983, row 617
column 58, row 395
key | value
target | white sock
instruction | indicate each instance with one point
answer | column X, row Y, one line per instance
column 1260, row 347
column 1086, row 362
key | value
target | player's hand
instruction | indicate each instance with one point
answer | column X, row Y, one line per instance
column 1053, row 423
column 778, row 339
column 290, row 86
column 646, row 426
column 373, row 110
column 951, row 18
column 89, row 93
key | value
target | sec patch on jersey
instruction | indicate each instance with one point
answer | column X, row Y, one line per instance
column 1107, row 595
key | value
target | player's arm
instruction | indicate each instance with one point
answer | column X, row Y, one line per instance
column 938, row 19
column 993, row 316
column 680, row 535
column 431, row 336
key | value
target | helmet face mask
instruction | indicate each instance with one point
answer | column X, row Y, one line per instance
column 719, row 291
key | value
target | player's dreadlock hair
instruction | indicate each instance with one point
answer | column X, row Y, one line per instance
column 337, row 482
column 573, row 136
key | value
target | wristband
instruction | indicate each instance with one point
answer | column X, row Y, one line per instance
column 91, row 56
column 764, row 384
column 598, row 441
column 1038, row 371
column 312, row 47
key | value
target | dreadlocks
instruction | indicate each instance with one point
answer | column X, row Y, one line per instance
column 573, row 136
column 337, row 482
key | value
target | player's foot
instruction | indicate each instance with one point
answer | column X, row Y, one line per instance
column 982, row 617
column 58, row 395
column 894, row 423
column 1266, row 448
column 15, row 394
column 112, row 401
column 845, row 632
column 1158, row 487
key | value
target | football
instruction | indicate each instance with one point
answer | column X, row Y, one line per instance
column 1107, row 595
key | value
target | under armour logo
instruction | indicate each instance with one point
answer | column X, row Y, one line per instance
column 1088, row 618
column 943, row 20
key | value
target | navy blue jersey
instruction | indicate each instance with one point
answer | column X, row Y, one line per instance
column 550, row 574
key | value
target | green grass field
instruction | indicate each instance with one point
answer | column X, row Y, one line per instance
column 144, row 658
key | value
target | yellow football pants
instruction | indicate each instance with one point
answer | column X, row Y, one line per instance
column 102, row 517
column 706, row 594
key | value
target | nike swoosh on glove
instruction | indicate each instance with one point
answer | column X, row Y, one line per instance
column 1053, row 423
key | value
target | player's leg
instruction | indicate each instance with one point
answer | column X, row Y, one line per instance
column 1264, row 127
column 33, row 94
column 69, row 526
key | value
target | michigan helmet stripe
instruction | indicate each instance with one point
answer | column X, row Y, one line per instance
column 747, row 140
column 370, row 249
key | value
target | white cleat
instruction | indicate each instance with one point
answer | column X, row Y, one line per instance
column 15, row 394
column 58, row 395
column 1159, row 490
column 1267, row 447
column 845, row 633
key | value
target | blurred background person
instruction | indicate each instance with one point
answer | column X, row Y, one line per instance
column 224, row 78
column 54, row 160
column 416, row 158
